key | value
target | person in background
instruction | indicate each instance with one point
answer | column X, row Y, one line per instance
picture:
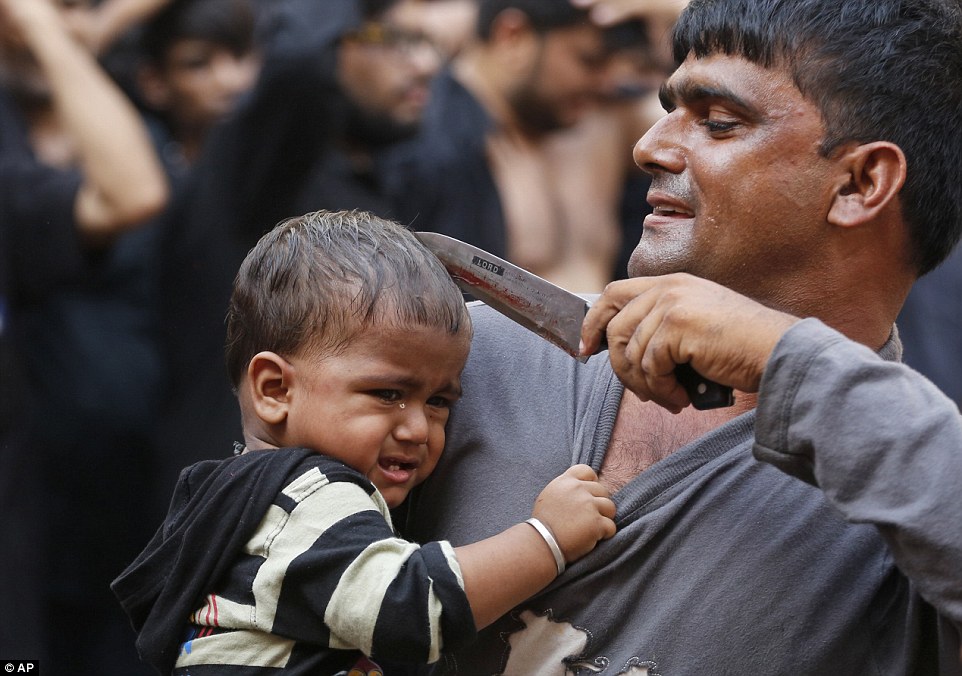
column 448, row 23
column 340, row 81
column 813, row 527
column 79, row 177
column 199, row 58
column 498, row 162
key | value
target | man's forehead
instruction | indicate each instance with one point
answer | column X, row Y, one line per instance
column 723, row 76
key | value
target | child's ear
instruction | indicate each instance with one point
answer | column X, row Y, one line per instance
column 270, row 377
column 874, row 176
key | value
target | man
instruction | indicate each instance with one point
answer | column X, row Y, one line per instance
column 792, row 168
column 341, row 80
column 516, row 154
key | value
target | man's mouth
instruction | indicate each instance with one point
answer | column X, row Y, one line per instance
column 672, row 212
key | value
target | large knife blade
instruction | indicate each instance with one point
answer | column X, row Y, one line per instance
column 553, row 313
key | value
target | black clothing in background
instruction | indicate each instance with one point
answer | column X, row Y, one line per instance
column 930, row 326
column 34, row 256
column 440, row 180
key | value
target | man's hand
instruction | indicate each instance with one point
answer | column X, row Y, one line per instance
column 655, row 323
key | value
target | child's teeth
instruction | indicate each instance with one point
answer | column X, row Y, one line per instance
column 394, row 468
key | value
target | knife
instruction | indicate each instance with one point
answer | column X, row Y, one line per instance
column 553, row 313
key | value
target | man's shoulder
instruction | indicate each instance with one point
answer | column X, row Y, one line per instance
column 501, row 344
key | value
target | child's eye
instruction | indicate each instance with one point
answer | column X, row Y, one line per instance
column 390, row 396
column 440, row 402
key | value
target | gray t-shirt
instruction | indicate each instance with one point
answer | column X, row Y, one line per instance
column 722, row 564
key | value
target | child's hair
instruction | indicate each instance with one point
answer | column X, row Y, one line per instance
column 230, row 23
column 317, row 280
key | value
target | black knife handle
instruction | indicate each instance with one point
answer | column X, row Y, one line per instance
column 704, row 393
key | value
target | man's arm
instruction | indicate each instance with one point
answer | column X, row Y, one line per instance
column 880, row 440
column 112, row 18
column 123, row 181
column 608, row 12
column 882, row 443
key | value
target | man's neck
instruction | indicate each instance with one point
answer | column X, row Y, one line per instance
column 645, row 433
column 479, row 76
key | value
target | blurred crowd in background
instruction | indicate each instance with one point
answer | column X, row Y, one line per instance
column 145, row 145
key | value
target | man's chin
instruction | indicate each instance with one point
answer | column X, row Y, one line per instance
column 380, row 131
column 644, row 265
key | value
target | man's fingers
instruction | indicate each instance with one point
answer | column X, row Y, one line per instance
column 611, row 302
column 642, row 360
column 595, row 324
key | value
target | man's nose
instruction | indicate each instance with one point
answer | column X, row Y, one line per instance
column 425, row 57
column 658, row 150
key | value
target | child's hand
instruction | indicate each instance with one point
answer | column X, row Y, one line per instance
column 577, row 510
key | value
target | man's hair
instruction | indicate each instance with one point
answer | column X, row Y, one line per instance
column 877, row 70
column 316, row 281
column 230, row 23
column 543, row 15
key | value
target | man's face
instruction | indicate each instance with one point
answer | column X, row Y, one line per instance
column 380, row 404
column 565, row 79
column 386, row 70
column 739, row 190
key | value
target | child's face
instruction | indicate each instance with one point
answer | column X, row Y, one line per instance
column 381, row 404
column 200, row 82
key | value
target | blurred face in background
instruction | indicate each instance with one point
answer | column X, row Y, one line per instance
column 385, row 70
column 450, row 23
column 564, row 77
column 198, row 82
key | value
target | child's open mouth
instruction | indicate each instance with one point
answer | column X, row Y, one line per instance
column 396, row 469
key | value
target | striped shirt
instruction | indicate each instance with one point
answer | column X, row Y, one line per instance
column 323, row 579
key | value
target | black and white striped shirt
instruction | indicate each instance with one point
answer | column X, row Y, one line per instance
column 322, row 579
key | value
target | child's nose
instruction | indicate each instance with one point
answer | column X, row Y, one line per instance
column 413, row 426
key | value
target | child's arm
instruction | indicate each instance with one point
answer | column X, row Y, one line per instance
column 504, row 570
column 334, row 574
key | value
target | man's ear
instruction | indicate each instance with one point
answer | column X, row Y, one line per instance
column 874, row 175
column 270, row 377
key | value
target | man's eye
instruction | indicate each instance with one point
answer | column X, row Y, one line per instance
column 718, row 127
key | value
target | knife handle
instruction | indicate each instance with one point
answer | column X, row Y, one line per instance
column 704, row 393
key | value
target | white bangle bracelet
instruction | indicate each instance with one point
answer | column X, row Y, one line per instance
column 544, row 532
